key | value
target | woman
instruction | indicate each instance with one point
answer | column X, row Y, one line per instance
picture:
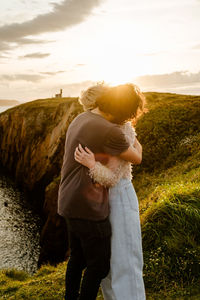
column 125, row 281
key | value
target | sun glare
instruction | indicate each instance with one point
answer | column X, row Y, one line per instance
column 120, row 65
column 124, row 53
column 121, row 70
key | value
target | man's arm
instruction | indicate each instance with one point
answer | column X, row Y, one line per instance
column 133, row 154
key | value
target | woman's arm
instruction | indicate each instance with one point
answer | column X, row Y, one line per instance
column 107, row 176
column 133, row 154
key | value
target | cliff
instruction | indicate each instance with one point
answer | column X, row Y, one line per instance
column 32, row 138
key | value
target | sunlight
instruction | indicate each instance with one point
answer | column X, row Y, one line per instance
column 123, row 58
column 120, row 71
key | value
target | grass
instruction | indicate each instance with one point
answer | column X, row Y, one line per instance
column 48, row 284
column 170, row 218
column 169, row 203
column 168, row 188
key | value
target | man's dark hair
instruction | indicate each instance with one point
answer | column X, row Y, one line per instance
column 124, row 102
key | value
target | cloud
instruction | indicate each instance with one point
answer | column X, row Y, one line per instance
column 27, row 41
column 74, row 89
column 32, row 92
column 167, row 80
column 4, row 46
column 52, row 73
column 64, row 15
column 7, row 46
column 28, row 77
column 80, row 65
column 69, row 89
column 196, row 47
column 3, row 57
column 151, row 53
column 35, row 55
column 22, row 77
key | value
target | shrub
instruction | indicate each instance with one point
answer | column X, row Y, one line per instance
column 16, row 274
column 171, row 235
column 170, row 131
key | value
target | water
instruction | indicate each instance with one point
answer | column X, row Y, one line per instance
column 19, row 229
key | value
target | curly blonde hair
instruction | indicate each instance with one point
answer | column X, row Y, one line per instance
column 88, row 98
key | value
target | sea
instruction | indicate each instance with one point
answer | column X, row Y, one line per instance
column 19, row 229
column 19, row 226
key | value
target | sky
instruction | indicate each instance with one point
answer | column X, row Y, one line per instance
column 46, row 45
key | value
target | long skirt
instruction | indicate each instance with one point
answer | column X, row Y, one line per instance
column 125, row 280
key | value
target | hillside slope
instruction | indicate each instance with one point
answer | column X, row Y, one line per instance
column 32, row 143
column 168, row 187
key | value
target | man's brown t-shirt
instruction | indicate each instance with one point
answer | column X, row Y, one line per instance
column 78, row 196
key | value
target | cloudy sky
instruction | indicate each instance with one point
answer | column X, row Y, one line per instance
column 46, row 45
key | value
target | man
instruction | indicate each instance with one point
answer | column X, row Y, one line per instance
column 84, row 204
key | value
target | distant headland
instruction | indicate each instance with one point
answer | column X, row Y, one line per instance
column 8, row 102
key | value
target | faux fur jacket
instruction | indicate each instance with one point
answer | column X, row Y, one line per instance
column 110, row 174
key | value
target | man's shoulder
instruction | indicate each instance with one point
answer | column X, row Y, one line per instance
column 78, row 119
column 89, row 117
column 100, row 126
column 82, row 115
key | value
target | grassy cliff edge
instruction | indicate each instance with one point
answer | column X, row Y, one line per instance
column 168, row 188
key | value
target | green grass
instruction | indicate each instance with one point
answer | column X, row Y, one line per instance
column 48, row 284
column 169, row 131
column 168, row 187
column 170, row 217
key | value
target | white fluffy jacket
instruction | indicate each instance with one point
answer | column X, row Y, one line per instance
column 110, row 174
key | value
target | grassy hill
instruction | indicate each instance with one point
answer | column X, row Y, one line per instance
column 168, row 188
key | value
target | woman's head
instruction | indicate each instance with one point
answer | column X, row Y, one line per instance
column 89, row 97
column 124, row 102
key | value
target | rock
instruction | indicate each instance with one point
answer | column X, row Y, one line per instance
column 32, row 137
column 54, row 237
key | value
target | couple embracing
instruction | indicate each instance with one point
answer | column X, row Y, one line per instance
column 97, row 198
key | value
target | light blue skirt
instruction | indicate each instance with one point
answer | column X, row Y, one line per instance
column 125, row 280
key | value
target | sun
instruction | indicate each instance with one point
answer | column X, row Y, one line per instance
column 115, row 79
column 117, row 71
column 121, row 59
column 117, row 68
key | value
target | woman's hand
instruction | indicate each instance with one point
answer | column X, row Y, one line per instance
column 84, row 157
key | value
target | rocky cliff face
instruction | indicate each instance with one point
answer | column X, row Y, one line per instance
column 32, row 139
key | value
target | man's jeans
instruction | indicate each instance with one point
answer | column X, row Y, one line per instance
column 90, row 244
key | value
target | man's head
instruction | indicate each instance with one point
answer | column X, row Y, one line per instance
column 89, row 97
column 122, row 102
